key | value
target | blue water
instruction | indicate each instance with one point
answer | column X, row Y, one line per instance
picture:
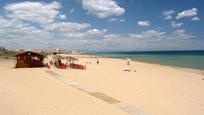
column 187, row 59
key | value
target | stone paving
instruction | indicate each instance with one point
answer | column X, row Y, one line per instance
column 117, row 103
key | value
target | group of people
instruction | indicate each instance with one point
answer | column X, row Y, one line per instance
column 58, row 63
column 97, row 61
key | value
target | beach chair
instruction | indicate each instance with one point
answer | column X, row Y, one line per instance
column 62, row 66
column 77, row 66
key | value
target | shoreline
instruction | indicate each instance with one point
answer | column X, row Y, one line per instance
column 195, row 70
column 183, row 59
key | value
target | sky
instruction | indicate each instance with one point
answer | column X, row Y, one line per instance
column 102, row 25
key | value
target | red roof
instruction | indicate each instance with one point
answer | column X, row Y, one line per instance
column 29, row 53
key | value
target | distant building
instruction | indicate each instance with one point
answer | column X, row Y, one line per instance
column 37, row 50
column 2, row 48
column 75, row 52
column 58, row 51
column 20, row 50
column 29, row 59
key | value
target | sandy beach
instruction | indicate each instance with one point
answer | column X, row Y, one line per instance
column 150, row 88
column 101, row 57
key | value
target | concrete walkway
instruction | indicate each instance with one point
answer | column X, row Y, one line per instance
column 117, row 103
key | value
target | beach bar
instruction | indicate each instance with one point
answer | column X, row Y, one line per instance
column 29, row 59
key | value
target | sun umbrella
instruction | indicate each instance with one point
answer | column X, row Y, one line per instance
column 57, row 57
column 71, row 59
column 128, row 59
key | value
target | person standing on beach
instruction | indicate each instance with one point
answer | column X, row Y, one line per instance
column 97, row 61
column 128, row 62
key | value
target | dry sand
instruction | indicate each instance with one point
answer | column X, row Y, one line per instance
column 155, row 89
column 34, row 92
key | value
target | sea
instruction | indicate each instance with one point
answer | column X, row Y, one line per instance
column 185, row 59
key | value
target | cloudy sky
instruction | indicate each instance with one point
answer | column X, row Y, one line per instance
column 102, row 25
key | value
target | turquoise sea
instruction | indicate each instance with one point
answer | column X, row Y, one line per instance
column 186, row 59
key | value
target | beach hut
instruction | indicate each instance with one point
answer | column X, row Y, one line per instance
column 29, row 59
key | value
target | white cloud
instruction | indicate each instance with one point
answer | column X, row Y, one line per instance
column 176, row 25
column 152, row 40
column 16, row 32
column 112, row 20
column 187, row 13
column 154, row 35
column 151, row 35
column 181, row 34
column 168, row 14
column 96, row 32
column 71, row 10
column 112, row 36
column 19, row 31
column 195, row 18
column 122, row 20
column 20, row 35
column 168, row 17
column 62, row 16
column 39, row 12
column 64, row 27
column 13, row 29
column 143, row 23
column 116, row 20
column 102, row 8
column 105, row 30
